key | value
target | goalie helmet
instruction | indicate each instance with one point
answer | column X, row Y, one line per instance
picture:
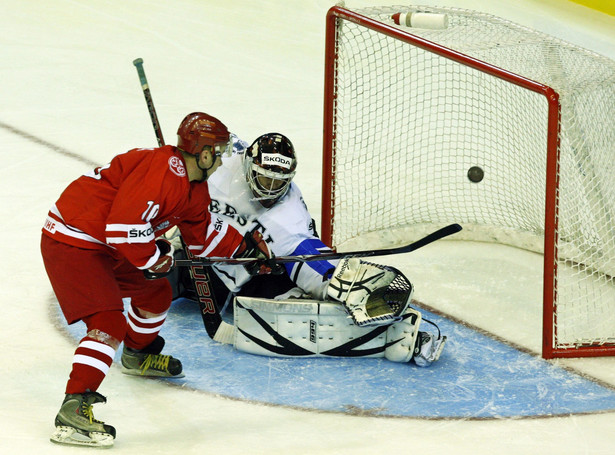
column 198, row 130
column 269, row 165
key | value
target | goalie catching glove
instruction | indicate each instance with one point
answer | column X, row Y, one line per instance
column 372, row 294
column 254, row 246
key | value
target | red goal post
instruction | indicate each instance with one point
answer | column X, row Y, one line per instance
column 408, row 109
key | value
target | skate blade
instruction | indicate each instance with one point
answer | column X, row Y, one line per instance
column 150, row 374
column 70, row 436
column 439, row 348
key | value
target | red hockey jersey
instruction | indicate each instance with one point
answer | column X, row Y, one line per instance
column 138, row 196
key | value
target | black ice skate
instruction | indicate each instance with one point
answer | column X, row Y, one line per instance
column 149, row 362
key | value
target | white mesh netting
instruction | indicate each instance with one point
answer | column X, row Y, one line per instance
column 408, row 124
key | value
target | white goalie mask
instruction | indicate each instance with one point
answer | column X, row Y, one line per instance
column 270, row 164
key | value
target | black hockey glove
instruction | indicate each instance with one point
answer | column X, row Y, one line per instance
column 165, row 263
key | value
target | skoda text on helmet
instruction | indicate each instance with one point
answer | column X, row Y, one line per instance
column 198, row 130
column 270, row 164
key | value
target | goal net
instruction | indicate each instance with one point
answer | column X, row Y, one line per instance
column 409, row 109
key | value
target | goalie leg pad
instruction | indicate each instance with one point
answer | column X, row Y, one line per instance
column 310, row 328
column 304, row 328
column 402, row 337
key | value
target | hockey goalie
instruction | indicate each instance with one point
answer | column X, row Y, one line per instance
column 345, row 308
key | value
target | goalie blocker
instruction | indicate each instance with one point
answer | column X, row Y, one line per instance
column 374, row 320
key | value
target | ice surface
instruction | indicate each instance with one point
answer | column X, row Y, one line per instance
column 71, row 98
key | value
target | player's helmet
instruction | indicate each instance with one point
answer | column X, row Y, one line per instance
column 270, row 164
column 198, row 130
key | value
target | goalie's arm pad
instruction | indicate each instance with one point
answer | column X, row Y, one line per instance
column 373, row 294
column 309, row 328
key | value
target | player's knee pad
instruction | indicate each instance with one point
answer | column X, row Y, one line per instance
column 108, row 327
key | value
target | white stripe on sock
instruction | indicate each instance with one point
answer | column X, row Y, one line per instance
column 158, row 318
column 100, row 347
column 91, row 361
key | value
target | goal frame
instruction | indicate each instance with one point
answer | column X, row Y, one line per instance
column 549, row 322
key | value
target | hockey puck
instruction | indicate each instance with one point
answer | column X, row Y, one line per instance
column 475, row 174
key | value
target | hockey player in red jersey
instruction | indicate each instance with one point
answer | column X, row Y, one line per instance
column 99, row 246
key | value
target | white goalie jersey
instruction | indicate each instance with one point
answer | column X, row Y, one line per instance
column 287, row 226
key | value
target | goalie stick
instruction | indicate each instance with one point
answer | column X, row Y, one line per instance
column 216, row 328
column 326, row 256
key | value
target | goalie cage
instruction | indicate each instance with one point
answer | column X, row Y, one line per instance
column 417, row 107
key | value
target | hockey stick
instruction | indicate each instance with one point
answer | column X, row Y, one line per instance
column 148, row 99
column 437, row 235
column 215, row 327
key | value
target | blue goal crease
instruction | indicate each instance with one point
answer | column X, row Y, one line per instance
column 476, row 377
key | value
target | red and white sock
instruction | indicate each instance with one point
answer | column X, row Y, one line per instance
column 91, row 363
column 142, row 331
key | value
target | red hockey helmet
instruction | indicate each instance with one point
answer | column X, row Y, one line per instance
column 198, row 130
column 270, row 164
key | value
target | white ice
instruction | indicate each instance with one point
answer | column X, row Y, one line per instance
column 68, row 80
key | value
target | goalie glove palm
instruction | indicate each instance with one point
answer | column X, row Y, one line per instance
column 364, row 289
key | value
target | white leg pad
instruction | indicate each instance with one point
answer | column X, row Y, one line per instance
column 405, row 333
column 310, row 328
